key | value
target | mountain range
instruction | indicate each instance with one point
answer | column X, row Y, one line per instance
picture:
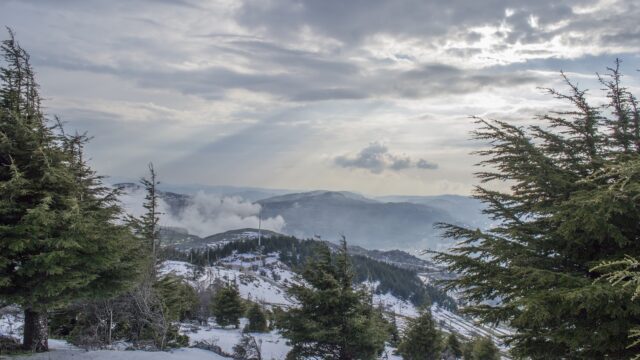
column 385, row 223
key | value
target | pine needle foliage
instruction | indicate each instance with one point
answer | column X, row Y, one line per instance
column 227, row 306
column 334, row 320
column 421, row 340
column 62, row 231
column 573, row 202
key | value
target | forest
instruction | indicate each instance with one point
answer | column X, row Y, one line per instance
column 402, row 283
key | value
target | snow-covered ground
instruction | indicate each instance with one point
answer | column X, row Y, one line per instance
column 273, row 346
column 11, row 322
column 266, row 285
column 61, row 350
column 262, row 279
column 271, row 290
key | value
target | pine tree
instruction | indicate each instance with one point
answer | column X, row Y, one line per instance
column 574, row 202
column 257, row 319
column 453, row 346
column 421, row 339
column 394, row 334
column 227, row 306
column 149, row 228
column 334, row 320
column 61, row 231
column 483, row 348
column 178, row 298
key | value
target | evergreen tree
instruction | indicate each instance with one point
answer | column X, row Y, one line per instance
column 257, row 319
column 394, row 334
column 61, row 229
column 178, row 298
column 484, row 349
column 421, row 339
column 453, row 346
column 227, row 306
column 574, row 202
column 334, row 320
column 148, row 227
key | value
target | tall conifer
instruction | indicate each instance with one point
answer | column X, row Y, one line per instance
column 61, row 232
column 573, row 202
column 334, row 320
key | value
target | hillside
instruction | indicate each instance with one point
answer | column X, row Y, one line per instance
column 365, row 222
column 386, row 223
column 402, row 282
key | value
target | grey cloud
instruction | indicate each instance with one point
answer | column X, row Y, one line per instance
column 424, row 164
column 376, row 158
column 314, row 79
column 347, row 22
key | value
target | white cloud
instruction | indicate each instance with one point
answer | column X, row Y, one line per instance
column 206, row 214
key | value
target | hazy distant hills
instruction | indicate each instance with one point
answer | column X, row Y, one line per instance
column 366, row 222
column 464, row 209
column 389, row 222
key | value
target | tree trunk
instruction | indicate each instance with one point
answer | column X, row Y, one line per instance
column 36, row 331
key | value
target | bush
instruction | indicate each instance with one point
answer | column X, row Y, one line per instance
column 248, row 349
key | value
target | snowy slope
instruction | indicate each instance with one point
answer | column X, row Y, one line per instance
column 260, row 278
column 266, row 284
column 245, row 270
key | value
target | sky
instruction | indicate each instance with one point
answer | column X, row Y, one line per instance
column 370, row 96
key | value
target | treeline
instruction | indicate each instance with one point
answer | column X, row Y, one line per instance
column 296, row 253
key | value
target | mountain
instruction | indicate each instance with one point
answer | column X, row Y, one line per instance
column 363, row 221
column 465, row 209
column 246, row 192
column 390, row 222
column 180, row 239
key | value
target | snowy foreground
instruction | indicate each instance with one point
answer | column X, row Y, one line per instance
column 60, row 350
column 263, row 280
column 272, row 345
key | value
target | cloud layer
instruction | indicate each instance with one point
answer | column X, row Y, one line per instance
column 262, row 93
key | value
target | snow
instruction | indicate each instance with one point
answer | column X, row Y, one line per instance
column 273, row 346
column 11, row 322
column 393, row 304
column 60, row 350
column 262, row 279
column 238, row 268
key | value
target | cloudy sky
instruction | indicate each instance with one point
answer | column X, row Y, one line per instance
column 365, row 95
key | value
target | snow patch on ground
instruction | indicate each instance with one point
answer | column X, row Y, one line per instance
column 11, row 322
column 273, row 346
column 61, row 350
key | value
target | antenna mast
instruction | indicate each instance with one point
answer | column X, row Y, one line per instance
column 259, row 230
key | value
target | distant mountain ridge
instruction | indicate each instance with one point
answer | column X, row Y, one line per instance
column 386, row 223
column 181, row 240
column 366, row 222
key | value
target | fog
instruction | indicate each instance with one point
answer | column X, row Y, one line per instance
column 205, row 213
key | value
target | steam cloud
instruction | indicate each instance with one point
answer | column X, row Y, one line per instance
column 206, row 214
